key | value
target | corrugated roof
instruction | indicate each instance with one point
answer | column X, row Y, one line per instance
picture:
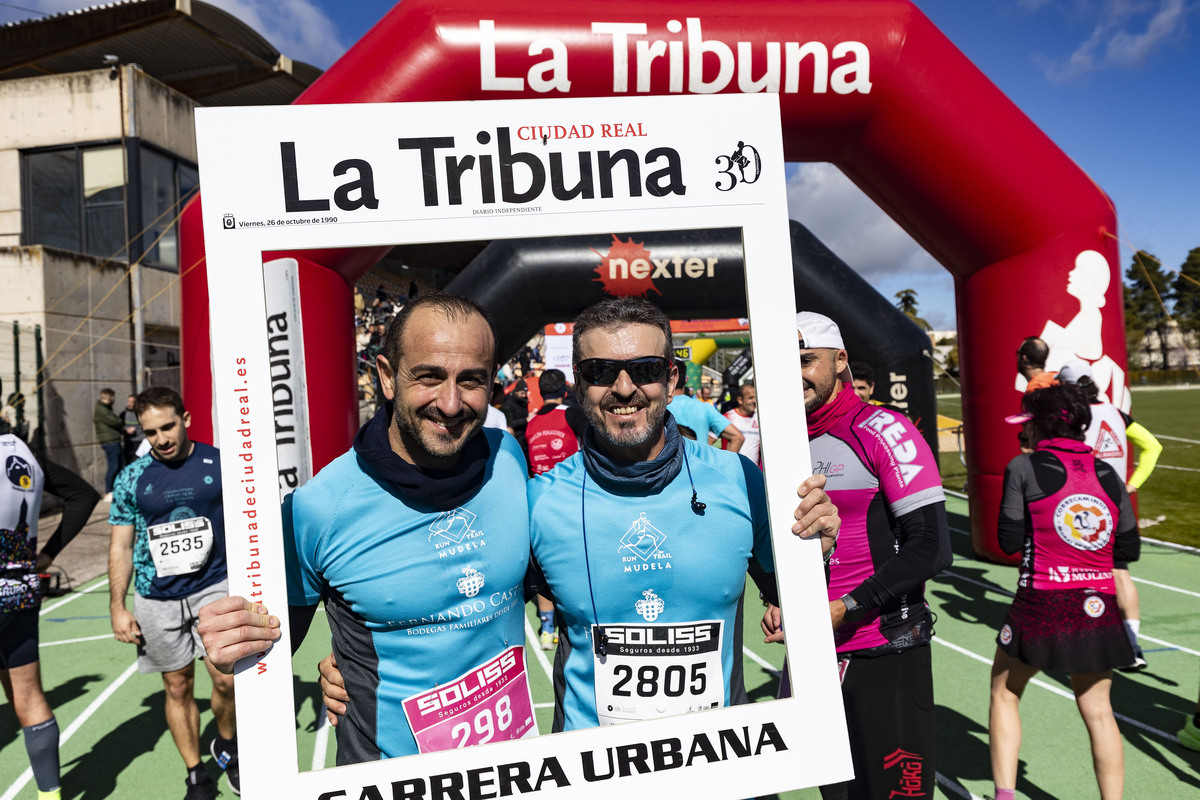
column 196, row 48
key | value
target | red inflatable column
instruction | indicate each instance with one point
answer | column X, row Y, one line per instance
column 327, row 307
column 195, row 355
column 1068, row 291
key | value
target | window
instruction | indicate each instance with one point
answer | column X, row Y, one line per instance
column 75, row 198
column 167, row 185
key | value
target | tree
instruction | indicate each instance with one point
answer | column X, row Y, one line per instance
column 906, row 301
column 1149, row 288
column 1135, row 332
column 1186, row 294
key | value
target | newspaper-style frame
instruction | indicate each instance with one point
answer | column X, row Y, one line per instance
column 703, row 162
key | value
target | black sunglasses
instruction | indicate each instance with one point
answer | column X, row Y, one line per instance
column 605, row 371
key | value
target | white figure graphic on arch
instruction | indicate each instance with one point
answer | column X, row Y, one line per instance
column 1088, row 283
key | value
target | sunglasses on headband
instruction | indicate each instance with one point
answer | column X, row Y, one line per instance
column 605, row 371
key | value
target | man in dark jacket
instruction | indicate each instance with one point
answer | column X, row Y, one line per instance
column 109, row 429
column 516, row 411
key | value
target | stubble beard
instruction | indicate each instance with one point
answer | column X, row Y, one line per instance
column 656, row 413
column 433, row 444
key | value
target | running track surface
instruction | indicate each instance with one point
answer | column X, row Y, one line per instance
column 116, row 744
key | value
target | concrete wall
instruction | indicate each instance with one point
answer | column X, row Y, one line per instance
column 83, row 307
column 84, row 107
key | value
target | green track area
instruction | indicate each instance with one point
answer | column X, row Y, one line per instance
column 117, row 745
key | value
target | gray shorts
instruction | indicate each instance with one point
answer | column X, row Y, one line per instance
column 170, row 640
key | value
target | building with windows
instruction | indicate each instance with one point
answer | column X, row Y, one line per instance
column 97, row 159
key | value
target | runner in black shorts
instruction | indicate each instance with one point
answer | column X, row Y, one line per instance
column 21, row 487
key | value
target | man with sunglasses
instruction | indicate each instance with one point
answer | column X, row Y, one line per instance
column 626, row 367
column 885, row 481
column 645, row 531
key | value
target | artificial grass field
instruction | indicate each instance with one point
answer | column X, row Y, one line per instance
column 117, row 744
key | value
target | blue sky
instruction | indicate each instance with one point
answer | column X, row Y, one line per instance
column 1113, row 82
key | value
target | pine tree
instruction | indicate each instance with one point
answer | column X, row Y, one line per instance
column 1186, row 294
column 1149, row 287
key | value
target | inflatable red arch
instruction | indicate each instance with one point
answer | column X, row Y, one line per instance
column 870, row 85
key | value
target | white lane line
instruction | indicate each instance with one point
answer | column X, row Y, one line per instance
column 951, row 574
column 1171, row 545
column 536, row 647
column 543, row 705
column 321, row 746
column 1171, row 645
column 75, row 641
column 1177, row 439
column 955, row 788
column 27, row 775
column 1178, row 469
column 74, row 596
column 1167, row 587
column 762, row 662
column 1058, row 690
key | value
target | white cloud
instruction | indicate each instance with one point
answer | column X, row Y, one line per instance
column 824, row 200
column 849, row 223
column 1126, row 33
column 297, row 28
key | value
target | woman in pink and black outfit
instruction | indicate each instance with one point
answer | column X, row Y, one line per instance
column 1069, row 514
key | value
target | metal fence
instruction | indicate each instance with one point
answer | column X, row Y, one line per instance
column 21, row 399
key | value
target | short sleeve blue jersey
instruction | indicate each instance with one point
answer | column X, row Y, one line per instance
column 414, row 596
column 698, row 416
column 150, row 492
column 626, row 545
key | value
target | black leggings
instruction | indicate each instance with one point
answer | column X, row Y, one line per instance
column 889, row 714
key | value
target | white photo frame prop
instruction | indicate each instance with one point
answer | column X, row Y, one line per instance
column 713, row 161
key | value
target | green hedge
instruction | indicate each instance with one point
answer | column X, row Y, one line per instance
column 1160, row 377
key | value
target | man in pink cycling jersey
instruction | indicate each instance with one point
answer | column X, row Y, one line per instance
column 885, row 482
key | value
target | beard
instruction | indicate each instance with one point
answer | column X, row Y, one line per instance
column 437, row 444
column 822, row 391
column 631, row 435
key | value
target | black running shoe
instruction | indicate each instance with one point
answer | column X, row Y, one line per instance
column 228, row 761
column 202, row 790
column 1139, row 661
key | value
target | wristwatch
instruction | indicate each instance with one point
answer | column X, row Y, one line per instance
column 854, row 611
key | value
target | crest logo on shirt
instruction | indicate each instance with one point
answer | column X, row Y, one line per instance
column 454, row 525
column 181, row 512
column 650, row 606
column 1083, row 521
column 19, row 473
column 471, row 581
column 642, row 539
column 1094, row 607
column 556, row 443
